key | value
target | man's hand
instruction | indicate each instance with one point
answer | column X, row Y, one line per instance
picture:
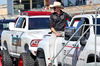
column 57, row 34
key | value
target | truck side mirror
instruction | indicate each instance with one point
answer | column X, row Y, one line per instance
column 11, row 25
column 69, row 31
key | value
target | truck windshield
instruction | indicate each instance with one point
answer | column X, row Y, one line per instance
column 38, row 23
column 98, row 27
column 4, row 26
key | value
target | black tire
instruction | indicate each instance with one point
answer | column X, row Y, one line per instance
column 6, row 59
column 26, row 59
column 15, row 61
column 39, row 62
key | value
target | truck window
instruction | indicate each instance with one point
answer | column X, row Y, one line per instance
column 24, row 23
column 4, row 26
column 21, row 23
column 75, row 22
column 98, row 27
column 38, row 23
column 1, row 26
column 84, row 28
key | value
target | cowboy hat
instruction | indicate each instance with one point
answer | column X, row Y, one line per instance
column 57, row 4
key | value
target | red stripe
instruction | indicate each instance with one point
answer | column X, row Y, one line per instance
column 74, row 47
column 67, row 19
column 16, row 20
column 76, row 21
column 66, row 22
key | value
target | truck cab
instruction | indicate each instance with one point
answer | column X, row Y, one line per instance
column 23, row 36
column 77, row 47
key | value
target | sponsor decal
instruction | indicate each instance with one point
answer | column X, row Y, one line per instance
column 62, row 17
column 16, row 41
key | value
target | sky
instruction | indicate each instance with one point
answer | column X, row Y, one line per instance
column 3, row 2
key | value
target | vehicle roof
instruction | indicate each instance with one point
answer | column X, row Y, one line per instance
column 33, row 13
column 84, row 15
column 6, row 20
column 40, row 16
column 36, row 16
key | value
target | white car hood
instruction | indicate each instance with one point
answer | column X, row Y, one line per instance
column 38, row 33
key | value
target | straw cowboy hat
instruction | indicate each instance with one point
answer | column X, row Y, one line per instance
column 57, row 4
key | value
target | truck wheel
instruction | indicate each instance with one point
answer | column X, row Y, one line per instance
column 39, row 62
column 6, row 59
column 26, row 60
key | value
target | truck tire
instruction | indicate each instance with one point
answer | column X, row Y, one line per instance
column 26, row 60
column 6, row 59
column 39, row 62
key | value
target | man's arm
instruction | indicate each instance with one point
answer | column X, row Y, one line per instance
column 69, row 17
column 51, row 21
column 54, row 31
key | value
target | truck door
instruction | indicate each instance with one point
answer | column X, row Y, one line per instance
column 73, row 56
column 17, row 35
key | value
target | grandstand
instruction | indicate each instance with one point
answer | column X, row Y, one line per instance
column 83, row 9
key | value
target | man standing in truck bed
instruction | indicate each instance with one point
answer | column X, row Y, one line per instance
column 57, row 22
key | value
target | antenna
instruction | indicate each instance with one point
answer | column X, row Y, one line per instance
column 3, row 17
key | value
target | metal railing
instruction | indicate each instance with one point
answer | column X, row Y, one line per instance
column 69, row 41
column 81, row 10
column 76, row 41
column 80, row 38
column 96, row 32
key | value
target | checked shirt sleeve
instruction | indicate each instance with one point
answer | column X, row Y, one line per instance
column 69, row 17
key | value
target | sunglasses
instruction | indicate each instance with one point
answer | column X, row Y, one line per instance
column 54, row 8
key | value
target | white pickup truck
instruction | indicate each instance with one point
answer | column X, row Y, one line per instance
column 20, row 42
column 77, row 46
